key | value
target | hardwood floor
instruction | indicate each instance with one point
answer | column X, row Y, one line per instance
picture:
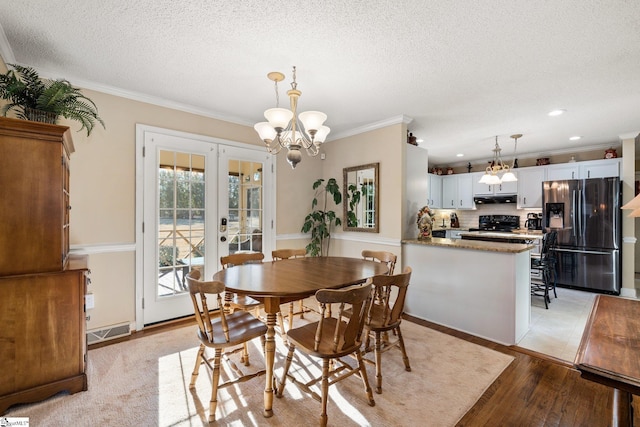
column 534, row 390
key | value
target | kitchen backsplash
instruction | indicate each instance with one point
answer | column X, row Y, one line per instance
column 469, row 218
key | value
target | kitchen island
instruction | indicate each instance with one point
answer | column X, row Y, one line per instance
column 478, row 287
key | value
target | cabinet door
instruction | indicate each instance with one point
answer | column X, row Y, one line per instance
column 600, row 168
column 435, row 191
column 480, row 189
column 530, row 187
column 562, row 172
column 43, row 332
column 449, row 192
column 465, row 191
column 507, row 187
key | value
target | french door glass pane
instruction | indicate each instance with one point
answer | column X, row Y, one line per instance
column 181, row 213
column 245, row 206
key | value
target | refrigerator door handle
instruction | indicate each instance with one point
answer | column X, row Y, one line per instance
column 573, row 213
column 580, row 231
column 578, row 251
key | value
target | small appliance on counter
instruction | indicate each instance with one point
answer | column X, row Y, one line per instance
column 455, row 223
column 533, row 222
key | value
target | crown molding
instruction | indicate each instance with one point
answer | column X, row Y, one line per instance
column 629, row 135
column 372, row 126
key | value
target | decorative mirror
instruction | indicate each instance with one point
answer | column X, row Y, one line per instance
column 360, row 199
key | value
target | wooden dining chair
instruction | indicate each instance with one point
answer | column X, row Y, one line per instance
column 279, row 255
column 332, row 340
column 233, row 301
column 386, row 315
column 382, row 256
column 220, row 334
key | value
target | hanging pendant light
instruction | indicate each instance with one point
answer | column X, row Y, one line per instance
column 499, row 172
column 282, row 130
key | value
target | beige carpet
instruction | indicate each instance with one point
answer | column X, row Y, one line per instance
column 144, row 382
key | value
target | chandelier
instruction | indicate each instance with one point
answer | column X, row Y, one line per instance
column 497, row 167
column 283, row 129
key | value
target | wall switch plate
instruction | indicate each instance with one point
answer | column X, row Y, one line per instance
column 89, row 302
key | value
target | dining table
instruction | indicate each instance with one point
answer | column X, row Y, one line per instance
column 608, row 352
column 279, row 282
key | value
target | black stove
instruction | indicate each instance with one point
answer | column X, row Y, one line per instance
column 506, row 223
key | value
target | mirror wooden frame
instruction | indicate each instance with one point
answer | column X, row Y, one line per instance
column 376, row 197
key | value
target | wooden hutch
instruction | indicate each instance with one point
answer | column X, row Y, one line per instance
column 42, row 288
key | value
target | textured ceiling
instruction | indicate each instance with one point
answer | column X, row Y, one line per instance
column 464, row 71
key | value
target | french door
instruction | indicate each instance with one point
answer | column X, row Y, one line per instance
column 202, row 199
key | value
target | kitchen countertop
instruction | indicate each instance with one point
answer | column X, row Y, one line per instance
column 477, row 245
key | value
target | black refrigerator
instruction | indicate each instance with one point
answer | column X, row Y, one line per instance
column 586, row 214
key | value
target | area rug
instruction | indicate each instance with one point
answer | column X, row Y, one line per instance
column 145, row 382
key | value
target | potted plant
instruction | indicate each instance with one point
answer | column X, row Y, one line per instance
column 43, row 100
column 320, row 222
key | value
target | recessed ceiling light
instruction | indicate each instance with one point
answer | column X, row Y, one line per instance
column 574, row 138
column 459, row 155
column 556, row 112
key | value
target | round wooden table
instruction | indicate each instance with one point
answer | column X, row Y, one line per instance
column 279, row 282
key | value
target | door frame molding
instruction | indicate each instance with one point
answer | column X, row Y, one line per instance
column 141, row 129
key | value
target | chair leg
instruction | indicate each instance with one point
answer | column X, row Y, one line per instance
column 287, row 365
column 245, row 355
column 363, row 374
column 378, row 356
column 405, row 358
column 290, row 315
column 283, row 332
column 325, row 391
column 214, row 385
column 199, row 358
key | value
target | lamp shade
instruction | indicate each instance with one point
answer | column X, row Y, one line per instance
column 509, row 177
column 633, row 203
column 493, row 180
column 265, row 131
column 484, row 179
column 321, row 134
column 278, row 117
column 312, row 120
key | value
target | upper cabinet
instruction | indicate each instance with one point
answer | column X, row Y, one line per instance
column 562, row 171
column 434, row 192
column 530, row 187
column 599, row 168
column 457, row 191
column 584, row 170
column 489, row 190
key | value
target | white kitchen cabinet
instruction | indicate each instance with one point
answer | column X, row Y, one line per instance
column 490, row 190
column 480, row 189
column 530, row 187
column 449, row 192
column 434, row 194
column 457, row 191
column 599, row 168
column 562, row 171
column 465, row 191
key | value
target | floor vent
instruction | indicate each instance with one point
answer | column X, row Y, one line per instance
column 112, row 332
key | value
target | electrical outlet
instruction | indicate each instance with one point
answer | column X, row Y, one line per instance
column 89, row 302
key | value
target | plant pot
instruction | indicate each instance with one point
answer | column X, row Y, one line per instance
column 40, row 116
